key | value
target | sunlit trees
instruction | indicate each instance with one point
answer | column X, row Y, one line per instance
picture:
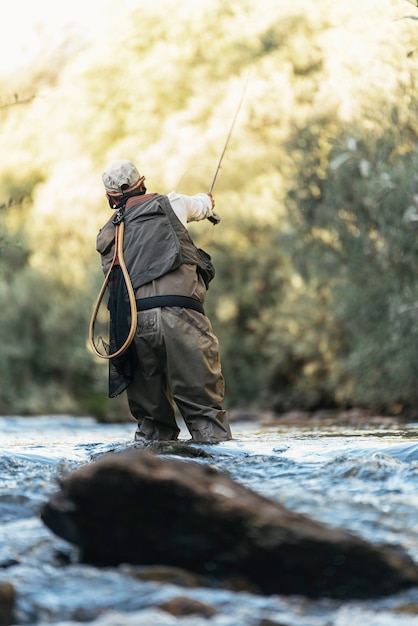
column 314, row 299
column 359, row 244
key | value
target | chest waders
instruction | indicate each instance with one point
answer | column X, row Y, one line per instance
column 118, row 260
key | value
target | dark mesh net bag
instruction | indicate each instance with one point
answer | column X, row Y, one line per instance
column 121, row 368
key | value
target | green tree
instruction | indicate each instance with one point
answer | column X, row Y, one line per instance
column 359, row 245
column 162, row 92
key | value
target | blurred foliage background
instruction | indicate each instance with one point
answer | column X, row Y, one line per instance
column 315, row 301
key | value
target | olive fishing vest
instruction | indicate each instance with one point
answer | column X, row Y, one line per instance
column 155, row 242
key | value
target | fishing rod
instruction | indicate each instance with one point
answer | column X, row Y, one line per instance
column 214, row 218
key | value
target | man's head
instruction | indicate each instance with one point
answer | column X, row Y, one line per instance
column 121, row 179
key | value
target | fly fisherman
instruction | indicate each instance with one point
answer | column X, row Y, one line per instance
column 174, row 356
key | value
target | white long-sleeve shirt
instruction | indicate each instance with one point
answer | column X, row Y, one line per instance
column 190, row 208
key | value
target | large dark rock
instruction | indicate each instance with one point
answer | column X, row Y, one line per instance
column 135, row 507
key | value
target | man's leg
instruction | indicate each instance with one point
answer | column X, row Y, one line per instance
column 194, row 374
column 149, row 398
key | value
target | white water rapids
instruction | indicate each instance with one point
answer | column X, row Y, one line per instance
column 365, row 480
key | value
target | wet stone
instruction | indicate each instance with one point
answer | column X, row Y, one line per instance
column 7, row 602
column 180, row 513
column 181, row 606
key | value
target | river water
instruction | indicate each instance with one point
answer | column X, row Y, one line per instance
column 364, row 479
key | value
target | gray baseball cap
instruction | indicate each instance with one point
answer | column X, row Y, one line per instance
column 121, row 177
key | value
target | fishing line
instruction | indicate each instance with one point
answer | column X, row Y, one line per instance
column 118, row 260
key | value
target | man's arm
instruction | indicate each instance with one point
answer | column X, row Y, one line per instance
column 192, row 208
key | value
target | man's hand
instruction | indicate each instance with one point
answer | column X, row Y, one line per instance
column 212, row 199
column 214, row 218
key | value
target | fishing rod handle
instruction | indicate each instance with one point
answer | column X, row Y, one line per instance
column 214, row 218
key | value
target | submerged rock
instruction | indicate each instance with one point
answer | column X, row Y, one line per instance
column 7, row 602
column 134, row 507
column 181, row 607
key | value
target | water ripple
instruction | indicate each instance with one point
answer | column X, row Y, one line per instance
column 365, row 480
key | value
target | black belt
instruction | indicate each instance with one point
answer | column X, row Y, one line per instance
column 157, row 301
